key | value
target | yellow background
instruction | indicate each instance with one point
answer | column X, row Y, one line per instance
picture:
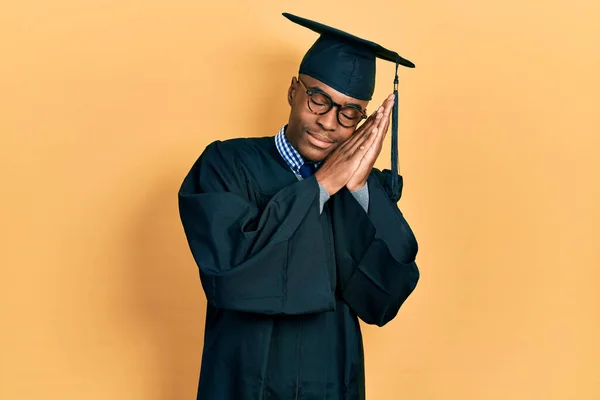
column 104, row 106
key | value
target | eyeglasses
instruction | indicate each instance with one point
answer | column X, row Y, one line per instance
column 320, row 103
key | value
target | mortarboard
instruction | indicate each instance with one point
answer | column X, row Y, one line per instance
column 347, row 63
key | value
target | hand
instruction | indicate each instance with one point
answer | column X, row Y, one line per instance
column 361, row 174
column 340, row 165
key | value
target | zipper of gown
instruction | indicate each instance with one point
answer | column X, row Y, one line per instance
column 298, row 368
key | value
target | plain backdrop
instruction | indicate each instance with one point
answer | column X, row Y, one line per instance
column 105, row 105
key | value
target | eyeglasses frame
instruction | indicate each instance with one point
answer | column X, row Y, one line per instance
column 311, row 91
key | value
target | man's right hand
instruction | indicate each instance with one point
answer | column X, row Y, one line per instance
column 340, row 165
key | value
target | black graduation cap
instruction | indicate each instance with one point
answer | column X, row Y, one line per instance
column 347, row 63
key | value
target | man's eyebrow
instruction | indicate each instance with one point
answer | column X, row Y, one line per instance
column 345, row 104
column 317, row 88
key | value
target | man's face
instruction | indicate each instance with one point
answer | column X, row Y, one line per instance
column 313, row 135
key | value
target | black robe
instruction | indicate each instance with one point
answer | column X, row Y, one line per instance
column 285, row 283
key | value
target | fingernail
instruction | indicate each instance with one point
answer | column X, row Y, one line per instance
column 380, row 109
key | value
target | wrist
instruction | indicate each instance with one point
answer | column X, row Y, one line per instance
column 355, row 187
column 325, row 184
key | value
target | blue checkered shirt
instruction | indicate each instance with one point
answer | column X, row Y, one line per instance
column 289, row 153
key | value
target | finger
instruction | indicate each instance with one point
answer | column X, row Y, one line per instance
column 374, row 144
column 366, row 124
column 384, row 109
column 364, row 142
column 361, row 134
column 373, row 152
column 383, row 126
column 389, row 100
column 369, row 122
column 387, row 105
column 367, row 146
column 355, row 140
column 373, row 116
column 384, row 123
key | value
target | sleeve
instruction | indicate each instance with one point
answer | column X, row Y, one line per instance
column 362, row 196
column 252, row 259
column 375, row 253
column 323, row 197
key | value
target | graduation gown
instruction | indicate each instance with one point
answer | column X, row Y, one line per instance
column 285, row 283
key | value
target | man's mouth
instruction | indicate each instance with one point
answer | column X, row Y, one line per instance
column 318, row 140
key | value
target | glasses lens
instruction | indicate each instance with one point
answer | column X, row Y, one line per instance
column 319, row 103
column 350, row 116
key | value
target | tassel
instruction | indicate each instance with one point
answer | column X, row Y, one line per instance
column 394, row 174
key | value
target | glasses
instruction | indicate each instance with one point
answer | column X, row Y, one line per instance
column 320, row 103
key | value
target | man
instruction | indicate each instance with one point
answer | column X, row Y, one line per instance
column 297, row 236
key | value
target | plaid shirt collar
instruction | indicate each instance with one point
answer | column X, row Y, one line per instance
column 291, row 156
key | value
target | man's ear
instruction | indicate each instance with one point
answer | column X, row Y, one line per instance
column 292, row 90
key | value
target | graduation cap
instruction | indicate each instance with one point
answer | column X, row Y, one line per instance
column 347, row 63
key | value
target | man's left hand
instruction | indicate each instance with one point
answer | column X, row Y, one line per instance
column 361, row 175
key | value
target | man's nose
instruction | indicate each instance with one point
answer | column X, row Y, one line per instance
column 328, row 121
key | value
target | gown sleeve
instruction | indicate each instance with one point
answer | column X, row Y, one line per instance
column 253, row 258
column 375, row 252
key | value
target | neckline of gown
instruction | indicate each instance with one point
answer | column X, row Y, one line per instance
column 272, row 147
